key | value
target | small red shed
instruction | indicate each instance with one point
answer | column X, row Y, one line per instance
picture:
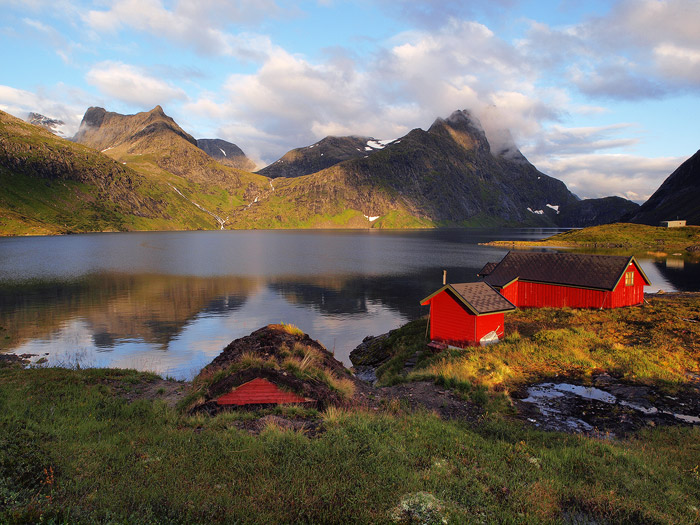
column 260, row 391
column 538, row 279
column 465, row 313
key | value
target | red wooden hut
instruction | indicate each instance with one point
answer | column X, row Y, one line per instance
column 537, row 279
column 466, row 313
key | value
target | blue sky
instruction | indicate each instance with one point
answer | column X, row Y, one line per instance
column 603, row 95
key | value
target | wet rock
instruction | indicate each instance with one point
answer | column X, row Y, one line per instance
column 610, row 408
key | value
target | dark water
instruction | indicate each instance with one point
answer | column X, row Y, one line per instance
column 169, row 302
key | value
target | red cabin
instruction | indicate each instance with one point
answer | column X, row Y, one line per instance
column 536, row 279
column 466, row 313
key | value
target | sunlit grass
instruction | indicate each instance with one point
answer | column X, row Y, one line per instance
column 654, row 344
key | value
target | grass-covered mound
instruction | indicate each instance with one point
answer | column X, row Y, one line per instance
column 620, row 235
column 281, row 354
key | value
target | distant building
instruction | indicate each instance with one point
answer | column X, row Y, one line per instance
column 467, row 314
column 536, row 279
column 672, row 224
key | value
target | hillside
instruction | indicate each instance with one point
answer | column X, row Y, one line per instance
column 51, row 185
column 321, row 155
column 677, row 198
column 592, row 212
column 154, row 145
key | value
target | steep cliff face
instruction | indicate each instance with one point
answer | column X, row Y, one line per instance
column 677, row 198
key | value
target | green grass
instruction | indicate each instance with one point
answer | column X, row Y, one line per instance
column 73, row 451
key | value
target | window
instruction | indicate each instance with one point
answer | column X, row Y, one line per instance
column 629, row 278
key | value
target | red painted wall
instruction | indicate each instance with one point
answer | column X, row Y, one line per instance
column 539, row 295
column 451, row 322
column 510, row 292
column 489, row 323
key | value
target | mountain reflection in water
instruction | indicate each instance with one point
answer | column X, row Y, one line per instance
column 169, row 302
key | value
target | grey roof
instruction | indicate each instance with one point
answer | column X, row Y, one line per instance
column 479, row 298
column 487, row 269
column 601, row 272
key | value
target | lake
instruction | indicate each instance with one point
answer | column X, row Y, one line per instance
column 169, row 302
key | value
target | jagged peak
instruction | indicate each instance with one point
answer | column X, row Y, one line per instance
column 158, row 110
column 464, row 128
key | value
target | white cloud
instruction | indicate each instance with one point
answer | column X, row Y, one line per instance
column 591, row 175
column 678, row 62
column 420, row 76
column 19, row 103
column 132, row 85
column 640, row 49
column 198, row 23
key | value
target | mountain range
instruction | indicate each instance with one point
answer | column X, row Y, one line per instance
column 142, row 171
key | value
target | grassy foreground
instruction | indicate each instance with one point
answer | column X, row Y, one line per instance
column 79, row 446
column 74, row 449
column 619, row 235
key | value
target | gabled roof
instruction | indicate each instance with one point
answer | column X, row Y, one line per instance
column 479, row 298
column 600, row 272
column 259, row 391
column 487, row 269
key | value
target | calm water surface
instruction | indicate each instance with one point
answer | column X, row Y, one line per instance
column 170, row 301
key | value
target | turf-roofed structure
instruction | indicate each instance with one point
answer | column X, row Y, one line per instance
column 535, row 279
column 466, row 314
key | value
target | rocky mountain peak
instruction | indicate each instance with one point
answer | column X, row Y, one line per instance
column 51, row 124
column 464, row 128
